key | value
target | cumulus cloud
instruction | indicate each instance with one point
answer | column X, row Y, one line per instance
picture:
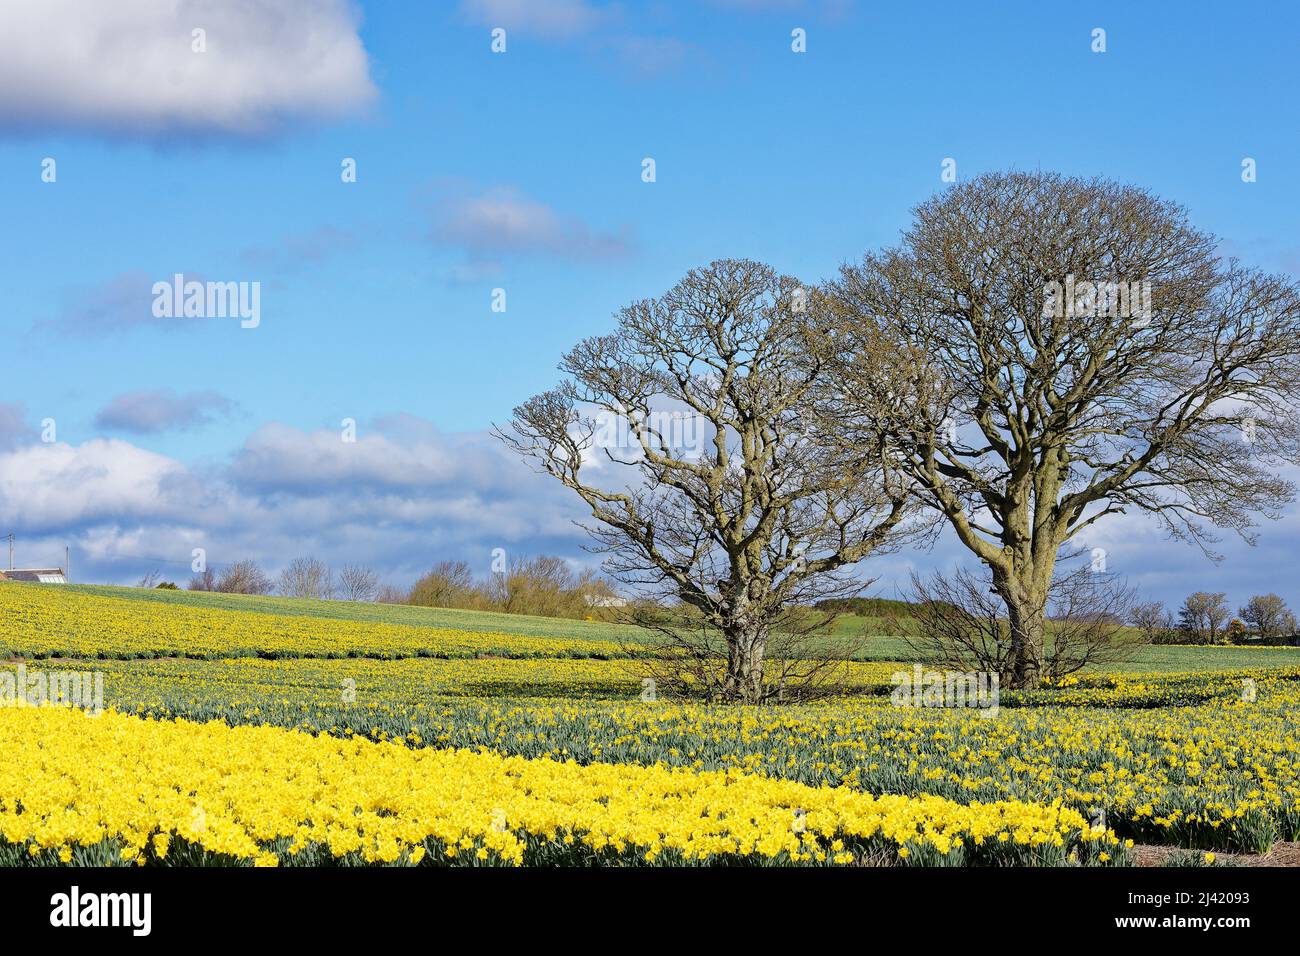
column 123, row 303
column 149, row 412
column 130, row 67
column 57, row 485
column 403, row 496
column 604, row 30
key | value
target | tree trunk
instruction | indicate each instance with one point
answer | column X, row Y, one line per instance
column 1027, row 617
column 745, row 646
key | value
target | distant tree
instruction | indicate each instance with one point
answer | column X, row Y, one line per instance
column 206, row 580
column 447, row 584
column 244, row 577
column 307, row 578
column 1236, row 631
column 1269, row 616
column 150, row 580
column 1153, row 622
column 597, row 597
column 866, row 607
column 1203, row 616
column 545, row 586
column 168, row 586
column 356, row 583
column 388, row 594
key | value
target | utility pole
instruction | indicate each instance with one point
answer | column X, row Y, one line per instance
column 67, row 563
column 11, row 550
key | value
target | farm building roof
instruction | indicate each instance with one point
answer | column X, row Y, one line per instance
column 35, row 575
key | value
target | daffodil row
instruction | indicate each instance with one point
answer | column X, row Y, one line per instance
column 72, row 785
column 41, row 622
column 1223, row 774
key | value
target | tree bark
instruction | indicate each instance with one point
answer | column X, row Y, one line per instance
column 1027, row 619
column 746, row 644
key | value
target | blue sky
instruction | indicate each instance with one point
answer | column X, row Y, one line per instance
column 520, row 171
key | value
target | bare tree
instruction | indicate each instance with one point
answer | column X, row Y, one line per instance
column 956, row 621
column 1153, row 622
column 448, row 584
column 1041, row 352
column 356, row 583
column 150, row 580
column 959, row 622
column 544, row 585
column 1202, row 616
column 715, row 485
column 1269, row 616
column 204, row 581
column 391, row 594
column 691, row 659
column 1086, row 615
column 307, row 578
column 244, row 577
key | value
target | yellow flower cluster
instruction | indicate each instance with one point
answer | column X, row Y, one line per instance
column 394, row 682
column 40, row 621
column 264, row 794
column 1223, row 774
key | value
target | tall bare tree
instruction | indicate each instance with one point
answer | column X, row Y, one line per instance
column 689, row 433
column 205, row 581
column 1041, row 352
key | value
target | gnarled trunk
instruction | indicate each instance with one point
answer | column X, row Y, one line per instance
column 1027, row 620
column 746, row 644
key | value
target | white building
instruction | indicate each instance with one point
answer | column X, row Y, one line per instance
column 35, row 575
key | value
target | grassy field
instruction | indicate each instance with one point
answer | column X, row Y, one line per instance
column 397, row 614
column 869, row 644
column 1168, row 748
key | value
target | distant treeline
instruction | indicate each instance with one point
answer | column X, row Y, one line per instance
column 867, row 607
column 546, row 586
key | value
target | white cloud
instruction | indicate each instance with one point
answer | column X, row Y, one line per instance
column 502, row 220
column 129, row 67
column 405, row 495
column 402, row 497
column 300, row 249
column 57, row 485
